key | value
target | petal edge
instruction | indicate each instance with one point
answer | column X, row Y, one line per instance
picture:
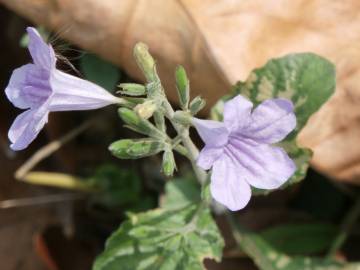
column 227, row 186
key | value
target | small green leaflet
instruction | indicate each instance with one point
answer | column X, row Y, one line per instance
column 305, row 78
column 177, row 236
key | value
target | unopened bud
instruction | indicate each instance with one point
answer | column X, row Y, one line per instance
column 146, row 109
column 133, row 149
column 183, row 88
column 196, row 105
column 132, row 89
column 168, row 164
column 145, row 61
column 138, row 124
column 182, row 117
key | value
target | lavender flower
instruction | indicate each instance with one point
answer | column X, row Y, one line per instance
column 41, row 88
column 239, row 150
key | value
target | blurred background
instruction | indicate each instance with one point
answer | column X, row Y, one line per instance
column 219, row 43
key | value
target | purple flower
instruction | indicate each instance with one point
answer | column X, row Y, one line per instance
column 41, row 88
column 239, row 150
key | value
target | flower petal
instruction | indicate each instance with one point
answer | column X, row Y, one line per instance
column 16, row 84
column 213, row 133
column 28, row 87
column 271, row 121
column 42, row 53
column 26, row 127
column 72, row 93
column 208, row 156
column 237, row 113
column 263, row 166
column 228, row 186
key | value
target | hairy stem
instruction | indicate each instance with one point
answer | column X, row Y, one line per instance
column 192, row 151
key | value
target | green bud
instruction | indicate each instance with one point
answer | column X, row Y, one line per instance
column 196, row 105
column 183, row 88
column 132, row 89
column 182, row 117
column 168, row 163
column 138, row 124
column 145, row 61
column 146, row 109
column 133, row 149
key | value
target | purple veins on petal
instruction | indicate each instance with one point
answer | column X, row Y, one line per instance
column 264, row 166
column 42, row 54
column 73, row 94
column 208, row 156
column 240, row 151
column 237, row 113
column 27, row 126
column 272, row 121
column 41, row 88
column 228, row 186
column 213, row 133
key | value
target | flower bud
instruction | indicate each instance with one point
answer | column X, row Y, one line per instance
column 133, row 149
column 196, row 105
column 146, row 109
column 138, row 124
column 145, row 61
column 183, row 88
column 168, row 163
column 132, row 89
column 182, row 117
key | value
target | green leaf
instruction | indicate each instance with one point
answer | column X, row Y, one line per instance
column 268, row 258
column 177, row 237
column 118, row 186
column 180, row 193
column 305, row 78
column 300, row 239
column 137, row 148
column 99, row 71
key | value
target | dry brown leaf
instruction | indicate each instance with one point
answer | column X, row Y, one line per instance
column 219, row 42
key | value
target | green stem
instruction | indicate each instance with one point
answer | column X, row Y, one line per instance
column 345, row 228
column 192, row 150
column 181, row 150
column 160, row 121
column 156, row 92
